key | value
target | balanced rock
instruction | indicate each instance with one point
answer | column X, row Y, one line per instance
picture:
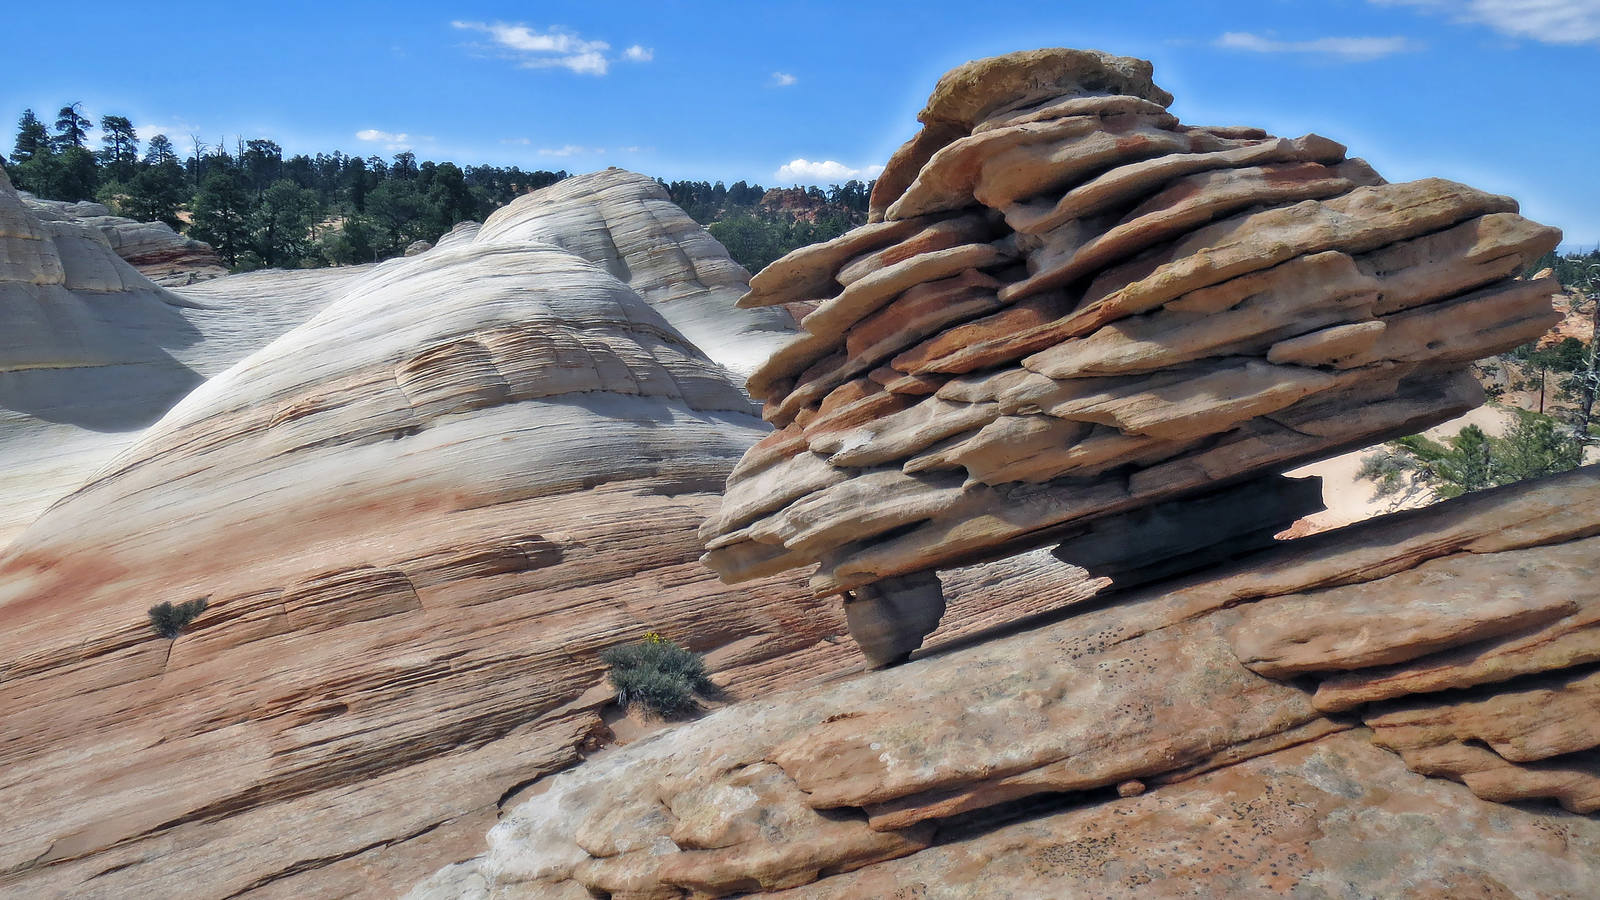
column 1074, row 306
column 1226, row 734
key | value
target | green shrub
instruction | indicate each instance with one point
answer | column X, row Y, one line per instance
column 168, row 620
column 659, row 675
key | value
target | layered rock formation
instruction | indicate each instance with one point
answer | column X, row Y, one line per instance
column 624, row 222
column 416, row 518
column 92, row 352
column 159, row 253
column 1221, row 736
column 1071, row 305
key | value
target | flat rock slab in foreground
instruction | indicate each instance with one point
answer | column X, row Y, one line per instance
column 1460, row 636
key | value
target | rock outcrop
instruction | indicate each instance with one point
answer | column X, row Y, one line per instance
column 1071, row 306
column 92, row 352
column 623, row 222
column 1225, row 735
column 159, row 253
column 416, row 517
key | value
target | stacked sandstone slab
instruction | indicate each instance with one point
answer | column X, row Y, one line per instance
column 1070, row 305
column 1399, row 708
column 417, row 516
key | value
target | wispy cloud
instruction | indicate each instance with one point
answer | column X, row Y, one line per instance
column 1548, row 21
column 570, row 150
column 552, row 48
column 1347, row 49
column 827, row 171
column 391, row 140
column 783, row 79
column 523, row 141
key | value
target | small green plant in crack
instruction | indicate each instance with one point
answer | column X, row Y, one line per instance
column 168, row 620
column 658, row 675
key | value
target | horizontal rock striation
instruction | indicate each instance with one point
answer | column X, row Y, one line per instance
column 153, row 248
column 1220, row 734
column 1073, row 305
column 417, row 517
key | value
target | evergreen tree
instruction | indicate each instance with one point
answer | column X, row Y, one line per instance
column 397, row 208
column 157, row 192
column 75, row 175
column 221, row 215
column 351, row 243
column 283, row 220
column 159, row 152
column 1535, row 446
column 120, row 153
column 262, row 164
column 72, row 128
column 32, row 138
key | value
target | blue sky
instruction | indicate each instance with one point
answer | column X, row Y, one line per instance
column 1502, row 94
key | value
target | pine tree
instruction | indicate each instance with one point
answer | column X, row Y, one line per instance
column 221, row 215
column 159, row 151
column 120, row 153
column 72, row 128
column 32, row 138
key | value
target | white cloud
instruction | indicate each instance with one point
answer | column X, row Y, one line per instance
column 544, row 50
column 553, row 48
column 523, row 141
column 783, row 79
column 804, row 171
column 570, row 150
column 391, row 140
column 1349, row 49
column 1549, row 21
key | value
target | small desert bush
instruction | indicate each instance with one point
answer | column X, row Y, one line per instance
column 658, row 675
column 168, row 620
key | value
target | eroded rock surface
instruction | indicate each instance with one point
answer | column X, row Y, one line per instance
column 1140, row 748
column 159, row 253
column 1075, row 306
column 417, row 516
column 624, row 222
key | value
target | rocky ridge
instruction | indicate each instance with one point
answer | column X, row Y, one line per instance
column 1071, row 305
column 416, row 517
column 159, row 253
column 1228, row 734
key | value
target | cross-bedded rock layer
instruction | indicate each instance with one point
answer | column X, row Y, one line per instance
column 1073, row 305
column 1214, row 736
column 417, row 518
